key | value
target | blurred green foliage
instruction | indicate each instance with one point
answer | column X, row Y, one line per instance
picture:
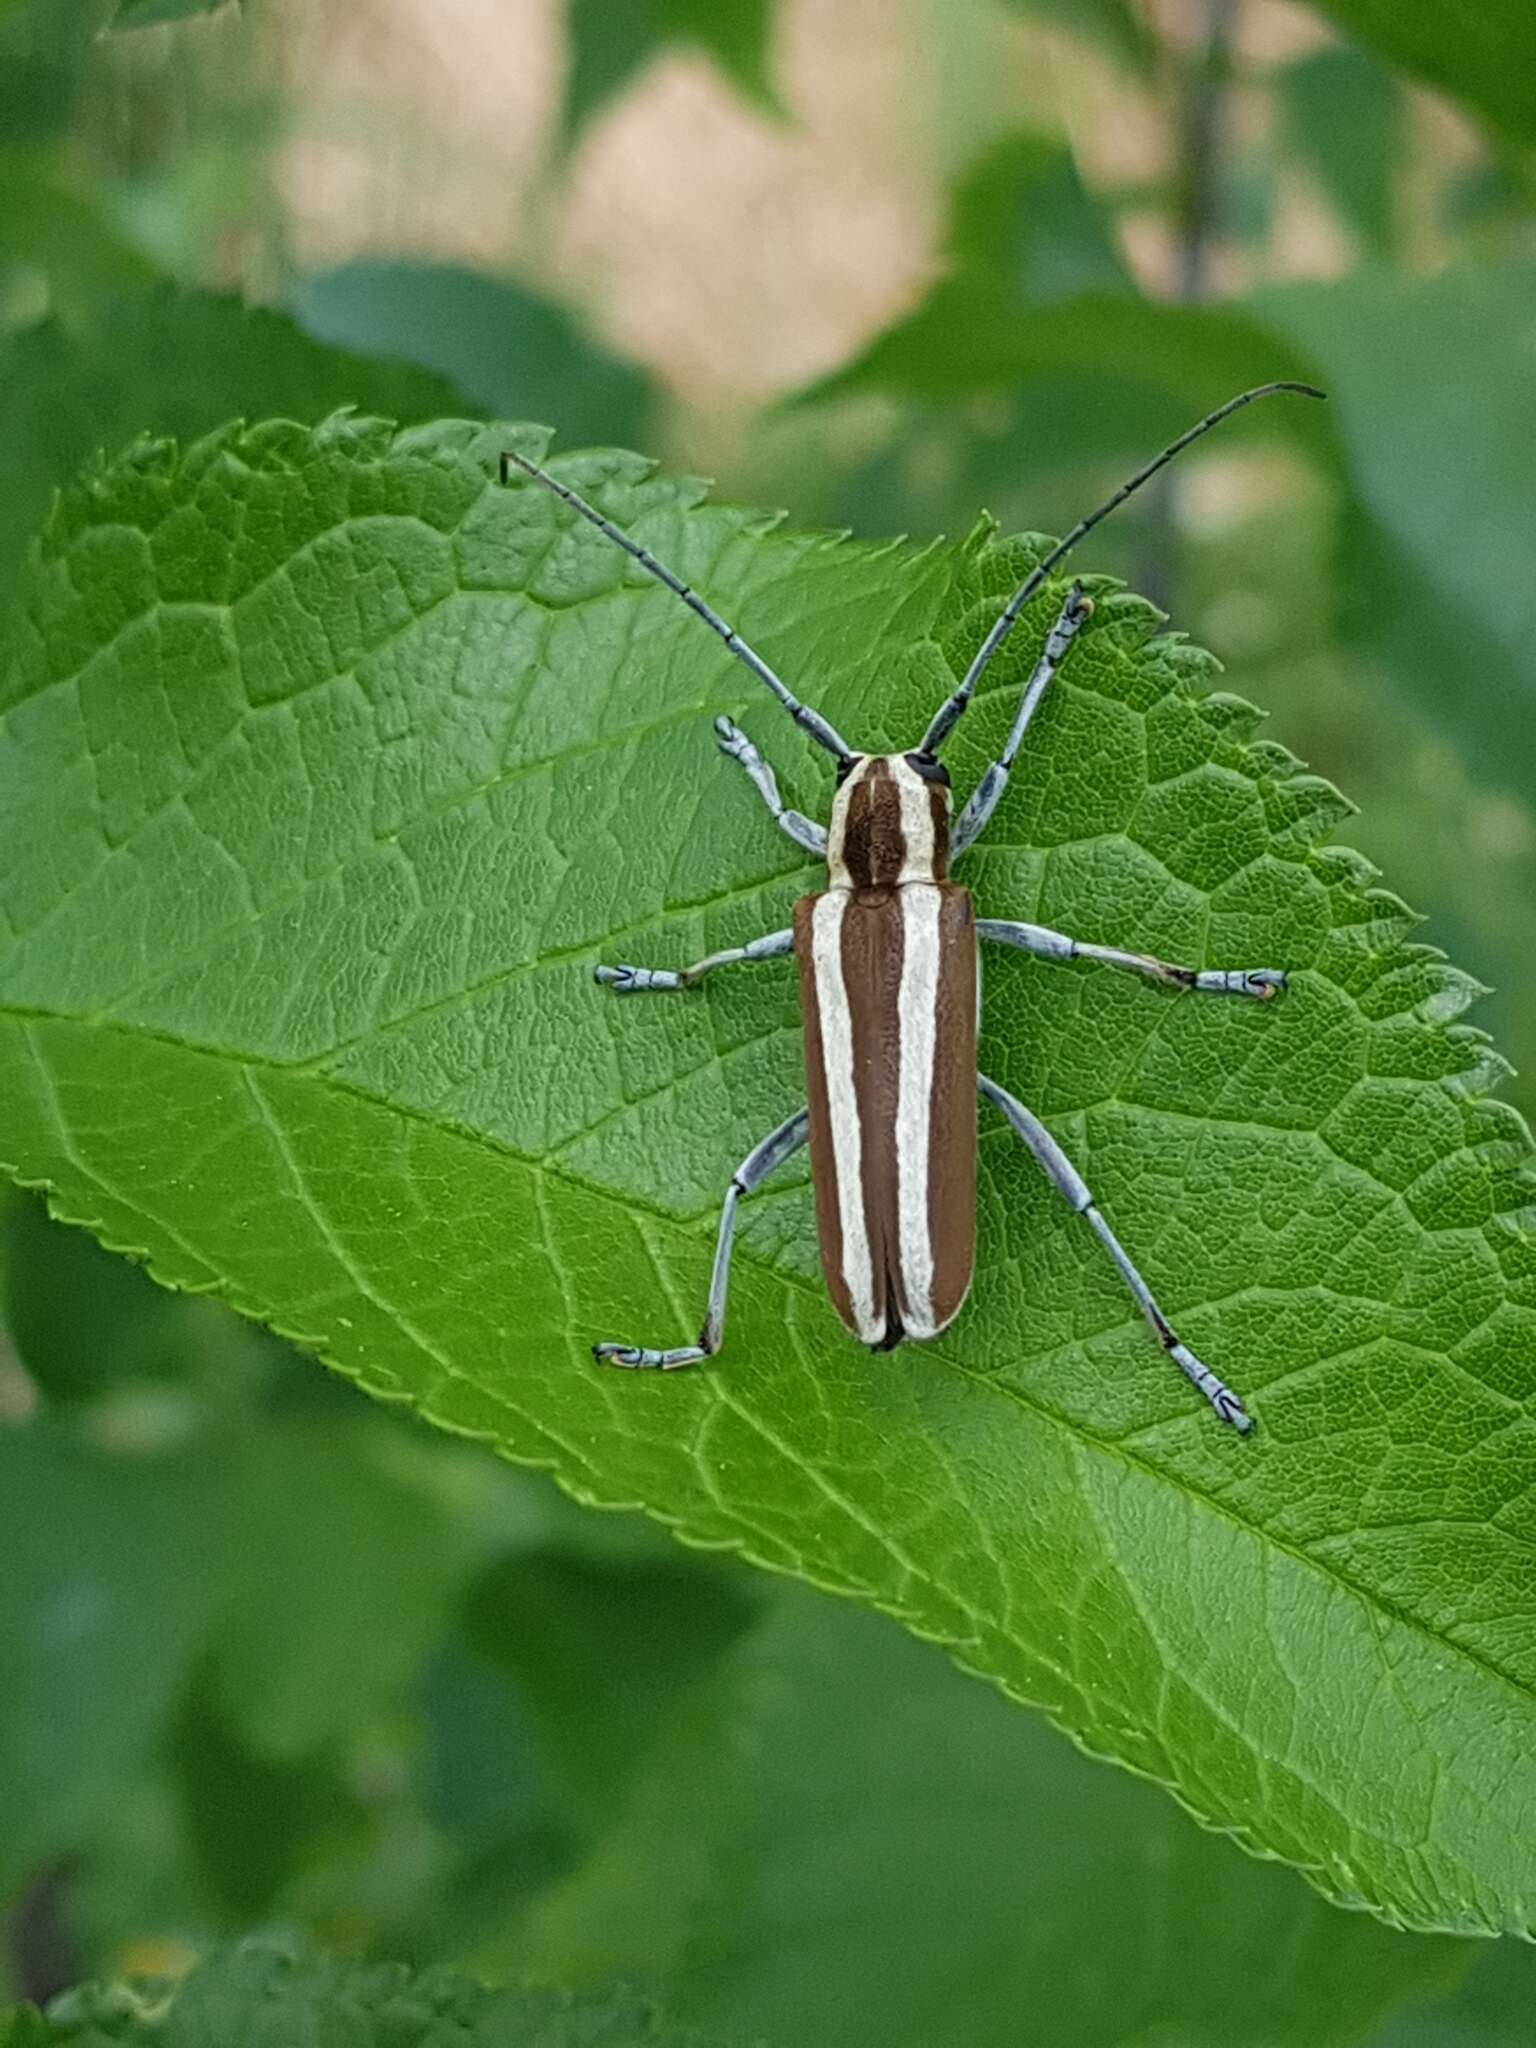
column 1479, row 51
column 610, row 46
column 270, row 1658
column 150, row 13
column 509, row 351
column 263, row 1997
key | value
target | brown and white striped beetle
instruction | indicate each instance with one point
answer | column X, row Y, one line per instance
column 889, row 987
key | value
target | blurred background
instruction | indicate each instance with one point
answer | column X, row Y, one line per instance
column 886, row 264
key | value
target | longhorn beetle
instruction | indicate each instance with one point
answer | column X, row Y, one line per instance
column 890, row 988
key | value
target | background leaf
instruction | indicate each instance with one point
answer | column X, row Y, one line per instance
column 1032, row 354
column 263, row 1999
column 837, row 1833
column 94, row 1646
column 148, row 13
column 1115, row 22
column 611, row 47
column 375, row 731
column 1432, row 574
column 203, row 1726
column 1344, row 116
column 170, row 363
column 67, row 238
column 303, row 1655
column 81, row 1318
column 513, row 353
column 1481, row 52
column 1490, row 2009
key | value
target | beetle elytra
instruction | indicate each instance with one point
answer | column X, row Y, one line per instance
column 889, row 982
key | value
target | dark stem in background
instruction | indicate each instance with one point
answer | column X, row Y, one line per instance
column 1197, row 206
column 45, row 1958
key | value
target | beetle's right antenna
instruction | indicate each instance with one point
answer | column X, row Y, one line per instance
column 952, row 707
column 808, row 720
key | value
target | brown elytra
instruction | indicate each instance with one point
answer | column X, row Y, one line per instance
column 888, row 983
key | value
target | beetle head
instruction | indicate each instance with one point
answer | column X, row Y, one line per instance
column 890, row 821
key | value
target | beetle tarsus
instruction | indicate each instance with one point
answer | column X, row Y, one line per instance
column 628, row 981
column 1221, row 1397
column 635, row 1359
column 1262, row 983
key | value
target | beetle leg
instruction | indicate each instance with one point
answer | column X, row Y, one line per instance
column 1069, row 1183
column 1259, row 982
column 735, row 745
column 762, row 1160
column 634, row 981
column 983, row 800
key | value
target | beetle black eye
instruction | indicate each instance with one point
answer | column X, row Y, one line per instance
column 846, row 766
column 929, row 767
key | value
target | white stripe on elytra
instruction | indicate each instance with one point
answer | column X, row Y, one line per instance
column 836, row 1017
column 914, row 1102
column 916, row 822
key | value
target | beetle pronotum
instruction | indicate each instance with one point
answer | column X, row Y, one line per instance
column 890, row 987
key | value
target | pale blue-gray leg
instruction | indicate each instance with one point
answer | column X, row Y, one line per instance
column 733, row 743
column 1069, row 1183
column 1259, row 982
column 762, row 1160
column 972, row 821
column 635, row 981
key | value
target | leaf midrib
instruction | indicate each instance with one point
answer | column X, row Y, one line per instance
column 1084, row 1440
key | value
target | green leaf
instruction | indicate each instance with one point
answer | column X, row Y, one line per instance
column 251, row 1825
column 1344, row 117
column 170, row 363
column 610, row 46
column 508, row 350
column 1175, row 356
column 67, row 234
column 96, row 1633
column 259, row 1998
column 1102, row 379
column 25, row 2028
column 1491, row 2008
column 306, row 1655
column 568, row 1625
column 81, row 1318
column 44, row 58
column 1114, row 23
column 1481, row 52
column 330, row 769
column 1025, row 227
column 149, row 13
column 1036, row 315
column 1434, row 575
column 1024, row 236
column 840, row 1836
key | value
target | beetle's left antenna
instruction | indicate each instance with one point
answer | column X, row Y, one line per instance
column 808, row 720
column 944, row 718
